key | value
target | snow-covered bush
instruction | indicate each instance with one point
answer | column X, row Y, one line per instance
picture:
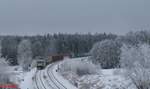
column 78, row 67
column 76, row 70
column 136, row 60
column 90, row 82
column 107, row 53
column 4, row 76
column 24, row 54
column 131, row 55
column 140, row 76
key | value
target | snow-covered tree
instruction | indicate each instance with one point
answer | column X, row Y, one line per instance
column 24, row 54
column 135, row 38
column 37, row 49
column 131, row 55
column 106, row 53
column 136, row 61
column 51, row 49
column 9, row 49
column 4, row 76
column 0, row 48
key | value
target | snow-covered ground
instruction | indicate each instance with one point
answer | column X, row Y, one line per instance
column 115, row 79
column 16, row 74
column 104, row 79
column 27, row 83
column 48, row 78
column 23, row 79
column 109, row 79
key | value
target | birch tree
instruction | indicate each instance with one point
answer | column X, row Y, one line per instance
column 24, row 54
column 136, row 60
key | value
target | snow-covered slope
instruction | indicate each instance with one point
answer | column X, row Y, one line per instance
column 50, row 78
column 27, row 82
column 103, row 79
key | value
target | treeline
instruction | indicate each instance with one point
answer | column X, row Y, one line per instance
column 44, row 45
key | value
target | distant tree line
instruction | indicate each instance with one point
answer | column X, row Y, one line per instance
column 44, row 45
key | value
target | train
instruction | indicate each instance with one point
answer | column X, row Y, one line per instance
column 41, row 63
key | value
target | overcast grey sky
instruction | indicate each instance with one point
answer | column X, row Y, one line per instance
column 50, row 16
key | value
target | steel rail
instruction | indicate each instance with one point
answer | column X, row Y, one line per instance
column 54, row 76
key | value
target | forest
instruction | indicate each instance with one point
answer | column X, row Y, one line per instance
column 45, row 45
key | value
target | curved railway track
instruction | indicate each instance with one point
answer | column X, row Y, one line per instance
column 38, row 79
column 50, row 74
column 36, row 82
column 50, row 77
column 52, row 81
column 49, row 84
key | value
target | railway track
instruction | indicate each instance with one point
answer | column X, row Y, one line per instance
column 50, row 74
column 40, row 77
column 51, row 81
column 49, row 68
column 38, row 81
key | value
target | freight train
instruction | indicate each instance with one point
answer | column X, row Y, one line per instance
column 41, row 63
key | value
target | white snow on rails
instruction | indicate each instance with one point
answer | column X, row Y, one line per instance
column 49, row 78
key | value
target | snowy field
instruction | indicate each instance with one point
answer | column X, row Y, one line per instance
column 115, row 79
column 103, row 79
column 28, row 82
column 23, row 79
column 47, row 78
